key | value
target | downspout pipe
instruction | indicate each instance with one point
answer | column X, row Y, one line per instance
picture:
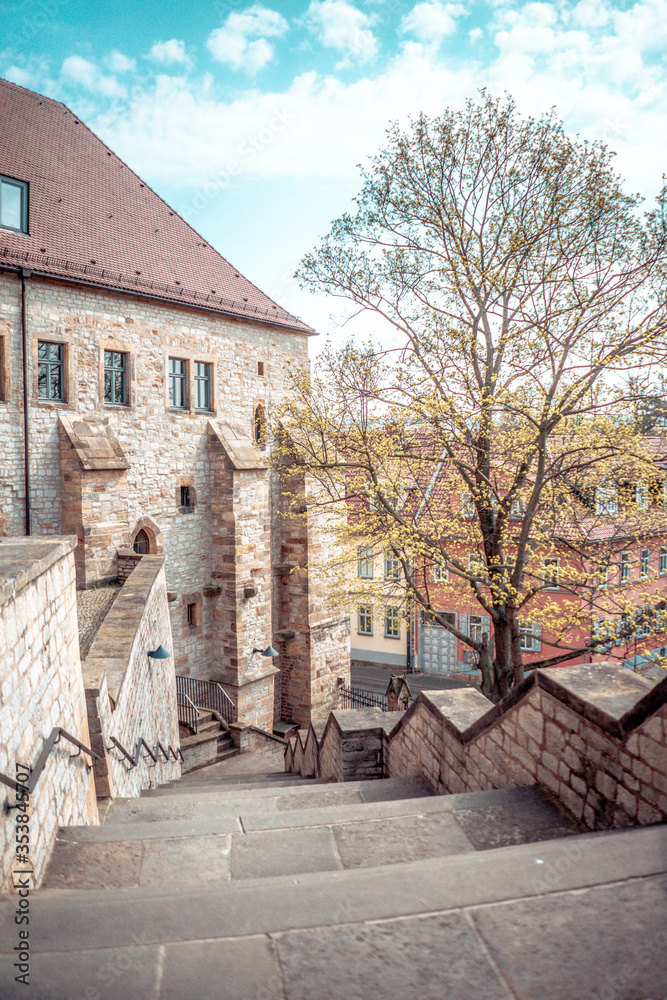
column 25, row 275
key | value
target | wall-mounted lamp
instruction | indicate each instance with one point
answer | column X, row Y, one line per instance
column 159, row 654
column 269, row 651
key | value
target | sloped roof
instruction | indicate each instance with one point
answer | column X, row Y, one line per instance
column 94, row 220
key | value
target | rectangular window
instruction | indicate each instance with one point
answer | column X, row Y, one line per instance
column 551, row 574
column 115, row 377
column 202, row 385
column 530, row 636
column 186, row 496
column 192, row 614
column 641, row 496
column 260, row 367
column 392, row 566
column 603, row 633
column 663, row 561
column 625, row 567
column 365, row 563
column 516, row 508
column 625, row 629
column 392, row 623
column 50, row 371
column 440, row 573
column 467, row 505
column 644, row 618
column 644, row 564
column 365, row 619
column 476, row 628
column 178, row 394
column 475, row 565
column 606, row 501
column 13, row 204
column 603, row 575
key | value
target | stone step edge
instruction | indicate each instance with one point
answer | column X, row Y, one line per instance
column 263, row 791
column 74, row 920
column 244, row 819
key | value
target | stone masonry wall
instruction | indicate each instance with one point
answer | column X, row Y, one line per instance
column 164, row 448
column 331, row 752
column 41, row 686
column 129, row 695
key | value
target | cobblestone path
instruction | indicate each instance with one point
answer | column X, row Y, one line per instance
column 92, row 608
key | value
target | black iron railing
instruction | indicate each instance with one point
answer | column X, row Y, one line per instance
column 57, row 733
column 156, row 754
column 352, row 697
column 207, row 694
column 188, row 713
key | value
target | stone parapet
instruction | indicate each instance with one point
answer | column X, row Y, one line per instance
column 592, row 736
column 129, row 695
column 41, row 687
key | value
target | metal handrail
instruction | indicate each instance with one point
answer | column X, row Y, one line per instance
column 207, row 694
column 352, row 697
column 57, row 733
column 190, row 717
column 117, row 745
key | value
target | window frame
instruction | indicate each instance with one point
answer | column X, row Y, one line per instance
column 365, row 613
column 551, row 582
column 606, row 499
column 199, row 380
column 24, row 189
column 365, row 560
column 644, row 564
column 662, row 563
column 624, row 567
column 440, row 572
column 641, row 496
column 392, row 566
column 112, row 369
column 182, row 377
column 467, row 502
column 58, row 364
column 392, row 623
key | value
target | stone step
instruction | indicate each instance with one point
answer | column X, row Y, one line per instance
column 532, row 921
column 263, row 840
column 392, row 788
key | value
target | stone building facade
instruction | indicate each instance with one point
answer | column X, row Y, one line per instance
column 137, row 373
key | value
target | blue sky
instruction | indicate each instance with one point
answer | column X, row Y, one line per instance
column 250, row 118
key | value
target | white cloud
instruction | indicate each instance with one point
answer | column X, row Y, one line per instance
column 475, row 35
column 172, row 51
column 17, row 75
column 242, row 42
column 119, row 63
column 341, row 26
column 77, row 70
column 431, row 22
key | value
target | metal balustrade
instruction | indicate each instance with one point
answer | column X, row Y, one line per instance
column 206, row 694
column 352, row 697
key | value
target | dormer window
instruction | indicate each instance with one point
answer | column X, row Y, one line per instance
column 13, row 204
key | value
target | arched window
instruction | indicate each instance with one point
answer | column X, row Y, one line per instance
column 141, row 543
column 260, row 425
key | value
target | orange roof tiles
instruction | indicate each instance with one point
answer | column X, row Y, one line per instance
column 94, row 220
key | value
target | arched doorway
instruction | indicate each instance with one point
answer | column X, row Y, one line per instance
column 260, row 425
column 142, row 543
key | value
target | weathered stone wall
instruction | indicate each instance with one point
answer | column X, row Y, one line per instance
column 131, row 696
column 41, row 686
column 164, row 449
column 593, row 736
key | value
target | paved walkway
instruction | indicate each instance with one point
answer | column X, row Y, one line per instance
column 92, row 608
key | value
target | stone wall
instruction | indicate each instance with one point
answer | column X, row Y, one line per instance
column 593, row 736
column 352, row 746
column 41, row 686
column 131, row 696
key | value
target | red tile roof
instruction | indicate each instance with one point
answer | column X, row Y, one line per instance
column 92, row 219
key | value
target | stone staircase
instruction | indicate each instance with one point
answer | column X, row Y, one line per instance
column 211, row 743
column 243, row 883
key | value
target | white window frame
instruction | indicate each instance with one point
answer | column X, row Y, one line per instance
column 662, row 565
column 624, row 567
column 641, row 496
column 440, row 572
column 467, row 505
column 551, row 581
column 531, row 635
column 606, row 499
column 644, row 564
